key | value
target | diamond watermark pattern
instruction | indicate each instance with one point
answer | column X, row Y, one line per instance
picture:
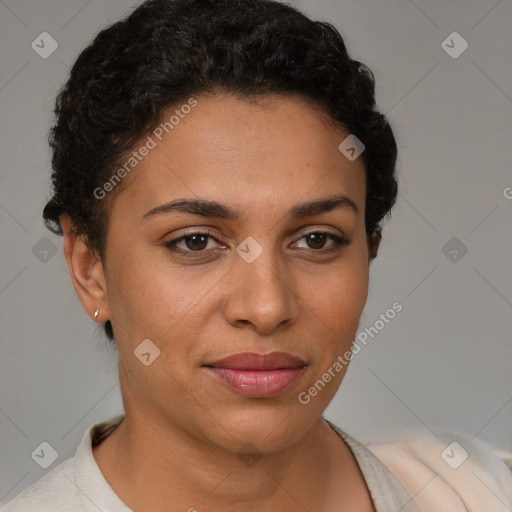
column 146, row 352
column 454, row 249
column 44, row 250
column 454, row 455
column 454, row 45
column 249, row 455
column 351, row 147
column 44, row 45
column 45, row 455
column 249, row 249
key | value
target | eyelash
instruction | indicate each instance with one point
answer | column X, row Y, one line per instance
column 172, row 244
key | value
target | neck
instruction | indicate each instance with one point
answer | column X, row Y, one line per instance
column 164, row 467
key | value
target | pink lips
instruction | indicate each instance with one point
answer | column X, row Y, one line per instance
column 258, row 375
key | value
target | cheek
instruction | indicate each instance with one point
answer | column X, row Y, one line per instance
column 139, row 296
column 342, row 297
column 152, row 298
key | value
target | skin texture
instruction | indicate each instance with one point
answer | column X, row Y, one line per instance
column 177, row 448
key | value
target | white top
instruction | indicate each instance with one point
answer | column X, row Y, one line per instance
column 78, row 485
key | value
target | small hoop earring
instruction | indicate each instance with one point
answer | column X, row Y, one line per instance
column 96, row 313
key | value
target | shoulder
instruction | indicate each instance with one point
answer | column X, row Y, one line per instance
column 75, row 484
column 56, row 491
column 449, row 470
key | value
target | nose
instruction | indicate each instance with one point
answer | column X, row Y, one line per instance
column 261, row 294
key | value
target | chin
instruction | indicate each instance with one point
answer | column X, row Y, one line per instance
column 269, row 427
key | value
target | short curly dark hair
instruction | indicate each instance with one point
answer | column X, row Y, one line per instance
column 167, row 51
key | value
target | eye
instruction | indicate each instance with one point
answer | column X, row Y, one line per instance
column 197, row 244
column 316, row 240
column 191, row 243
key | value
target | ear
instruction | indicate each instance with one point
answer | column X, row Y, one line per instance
column 86, row 272
column 373, row 244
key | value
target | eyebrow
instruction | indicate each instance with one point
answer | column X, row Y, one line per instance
column 214, row 209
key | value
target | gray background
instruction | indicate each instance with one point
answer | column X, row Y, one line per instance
column 443, row 363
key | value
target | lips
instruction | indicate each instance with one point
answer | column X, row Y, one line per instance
column 257, row 375
column 259, row 362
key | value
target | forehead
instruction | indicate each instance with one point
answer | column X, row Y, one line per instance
column 274, row 149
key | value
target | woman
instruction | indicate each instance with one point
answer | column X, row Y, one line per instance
column 220, row 177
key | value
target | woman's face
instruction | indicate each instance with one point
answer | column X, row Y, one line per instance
column 268, row 277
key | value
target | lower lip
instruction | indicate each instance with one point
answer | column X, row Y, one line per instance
column 257, row 384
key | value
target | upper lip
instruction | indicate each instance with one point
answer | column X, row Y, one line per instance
column 258, row 362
